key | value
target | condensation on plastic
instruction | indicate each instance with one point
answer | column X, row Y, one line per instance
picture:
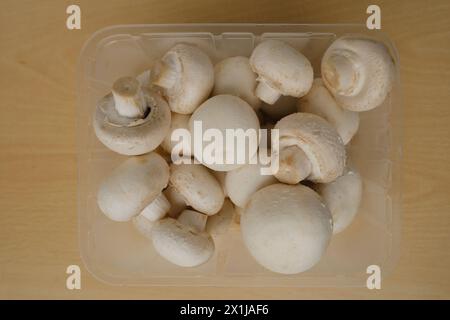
column 117, row 254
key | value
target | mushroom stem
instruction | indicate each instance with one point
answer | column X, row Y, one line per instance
column 165, row 76
column 266, row 93
column 193, row 219
column 342, row 73
column 129, row 99
column 177, row 202
column 157, row 208
column 294, row 165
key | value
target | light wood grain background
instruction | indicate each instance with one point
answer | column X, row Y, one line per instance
column 38, row 219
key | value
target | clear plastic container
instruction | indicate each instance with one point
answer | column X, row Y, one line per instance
column 115, row 253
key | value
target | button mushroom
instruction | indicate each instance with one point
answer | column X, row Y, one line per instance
column 310, row 148
column 242, row 182
column 186, row 76
column 179, row 121
column 131, row 120
column 320, row 102
column 132, row 186
column 157, row 208
column 235, row 76
column 155, row 211
column 183, row 241
column 342, row 197
column 198, row 186
column 176, row 200
column 281, row 70
column 359, row 72
column 286, row 228
column 224, row 112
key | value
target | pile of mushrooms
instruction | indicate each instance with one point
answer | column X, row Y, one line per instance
column 286, row 219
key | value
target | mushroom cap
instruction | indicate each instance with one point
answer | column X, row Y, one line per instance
column 235, row 76
column 282, row 67
column 130, row 136
column 359, row 72
column 194, row 77
column 132, row 186
column 181, row 244
column 198, row 187
column 226, row 112
column 179, row 121
column 343, row 197
column 242, row 182
column 286, row 228
column 318, row 140
column 319, row 101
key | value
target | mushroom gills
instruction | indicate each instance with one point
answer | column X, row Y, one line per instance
column 129, row 98
column 294, row 165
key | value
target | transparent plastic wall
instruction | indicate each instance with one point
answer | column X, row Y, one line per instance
column 115, row 253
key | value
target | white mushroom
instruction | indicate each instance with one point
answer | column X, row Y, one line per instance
column 179, row 121
column 184, row 241
column 235, row 76
column 186, row 76
column 157, row 208
column 131, row 120
column 220, row 113
column 310, row 148
column 286, row 228
column 342, row 197
column 198, row 186
column 359, row 72
column 281, row 70
column 132, row 186
column 177, row 202
column 320, row 102
column 155, row 211
column 242, row 182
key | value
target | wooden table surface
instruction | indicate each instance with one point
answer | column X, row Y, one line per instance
column 38, row 218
